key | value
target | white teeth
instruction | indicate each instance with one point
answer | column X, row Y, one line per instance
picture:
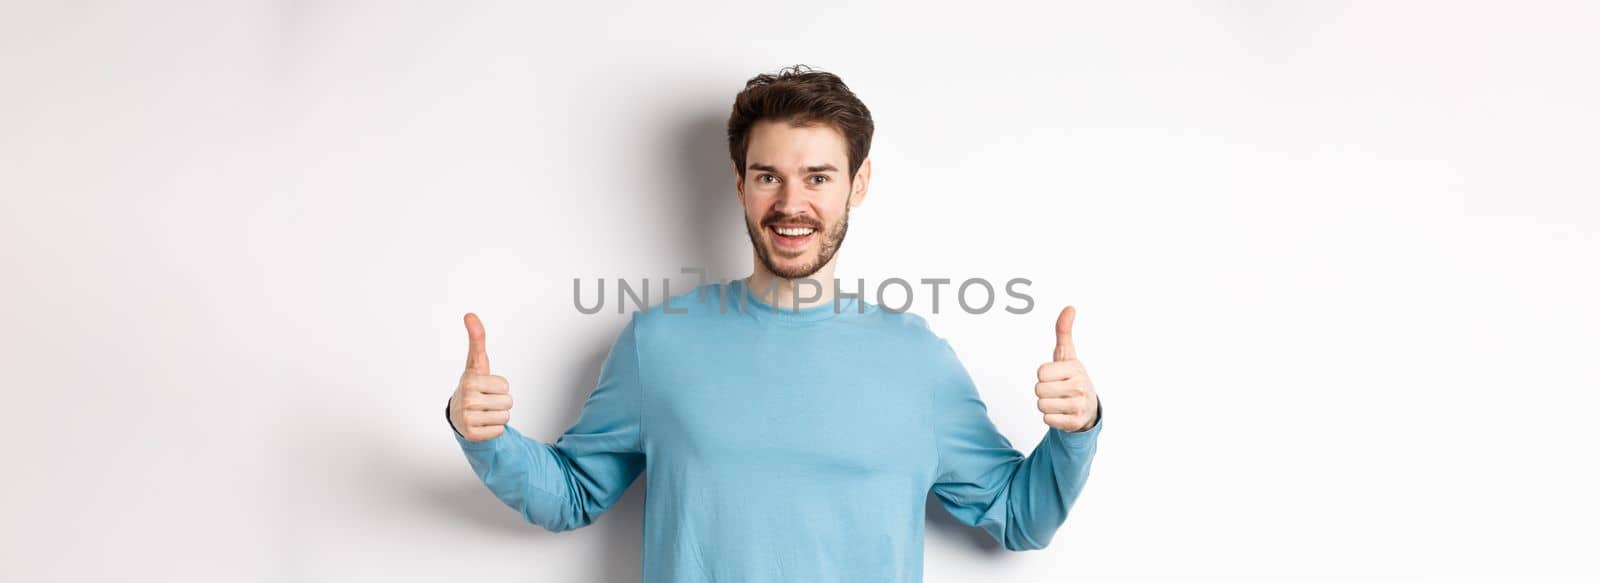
column 795, row 231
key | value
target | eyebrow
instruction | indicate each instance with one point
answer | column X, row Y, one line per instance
column 770, row 168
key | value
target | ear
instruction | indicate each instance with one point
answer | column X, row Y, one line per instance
column 738, row 182
column 858, row 187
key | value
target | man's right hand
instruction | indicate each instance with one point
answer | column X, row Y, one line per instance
column 481, row 405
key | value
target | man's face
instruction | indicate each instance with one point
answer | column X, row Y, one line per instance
column 796, row 194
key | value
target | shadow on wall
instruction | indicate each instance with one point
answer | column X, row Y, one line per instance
column 710, row 221
column 710, row 236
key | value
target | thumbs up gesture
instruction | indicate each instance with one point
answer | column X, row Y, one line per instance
column 481, row 405
column 1066, row 397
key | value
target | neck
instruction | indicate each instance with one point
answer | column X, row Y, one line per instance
column 781, row 292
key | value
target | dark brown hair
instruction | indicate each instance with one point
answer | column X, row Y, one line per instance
column 800, row 96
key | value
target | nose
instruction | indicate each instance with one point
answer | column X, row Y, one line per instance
column 789, row 203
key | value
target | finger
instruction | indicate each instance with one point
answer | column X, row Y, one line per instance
column 487, row 403
column 488, row 418
column 1060, row 371
column 488, row 384
column 485, row 433
column 477, row 357
column 1064, row 349
column 1054, row 389
column 1063, row 406
column 1063, row 421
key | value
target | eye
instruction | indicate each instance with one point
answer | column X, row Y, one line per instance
column 764, row 176
column 823, row 177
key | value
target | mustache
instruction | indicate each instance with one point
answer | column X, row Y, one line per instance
column 769, row 220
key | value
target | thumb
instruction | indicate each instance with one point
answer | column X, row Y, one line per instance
column 1064, row 348
column 477, row 357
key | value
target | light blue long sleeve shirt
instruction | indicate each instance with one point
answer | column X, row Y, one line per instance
column 786, row 445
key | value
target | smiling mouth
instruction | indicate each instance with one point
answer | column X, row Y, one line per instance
column 791, row 237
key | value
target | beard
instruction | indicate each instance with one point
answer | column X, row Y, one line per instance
column 831, row 239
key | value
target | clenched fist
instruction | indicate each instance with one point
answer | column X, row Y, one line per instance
column 1066, row 397
column 481, row 405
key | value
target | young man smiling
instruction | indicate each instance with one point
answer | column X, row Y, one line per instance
column 789, row 444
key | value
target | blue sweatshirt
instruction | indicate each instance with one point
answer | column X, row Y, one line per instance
column 786, row 445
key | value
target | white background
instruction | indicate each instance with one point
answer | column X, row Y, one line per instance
column 1335, row 265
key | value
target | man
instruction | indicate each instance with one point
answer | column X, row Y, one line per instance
column 787, row 440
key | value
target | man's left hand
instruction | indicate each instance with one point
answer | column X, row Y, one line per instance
column 1066, row 397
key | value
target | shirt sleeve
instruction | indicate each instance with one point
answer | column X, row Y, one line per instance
column 984, row 482
column 568, row 484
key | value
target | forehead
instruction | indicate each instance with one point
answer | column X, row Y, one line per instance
column 776, row 143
